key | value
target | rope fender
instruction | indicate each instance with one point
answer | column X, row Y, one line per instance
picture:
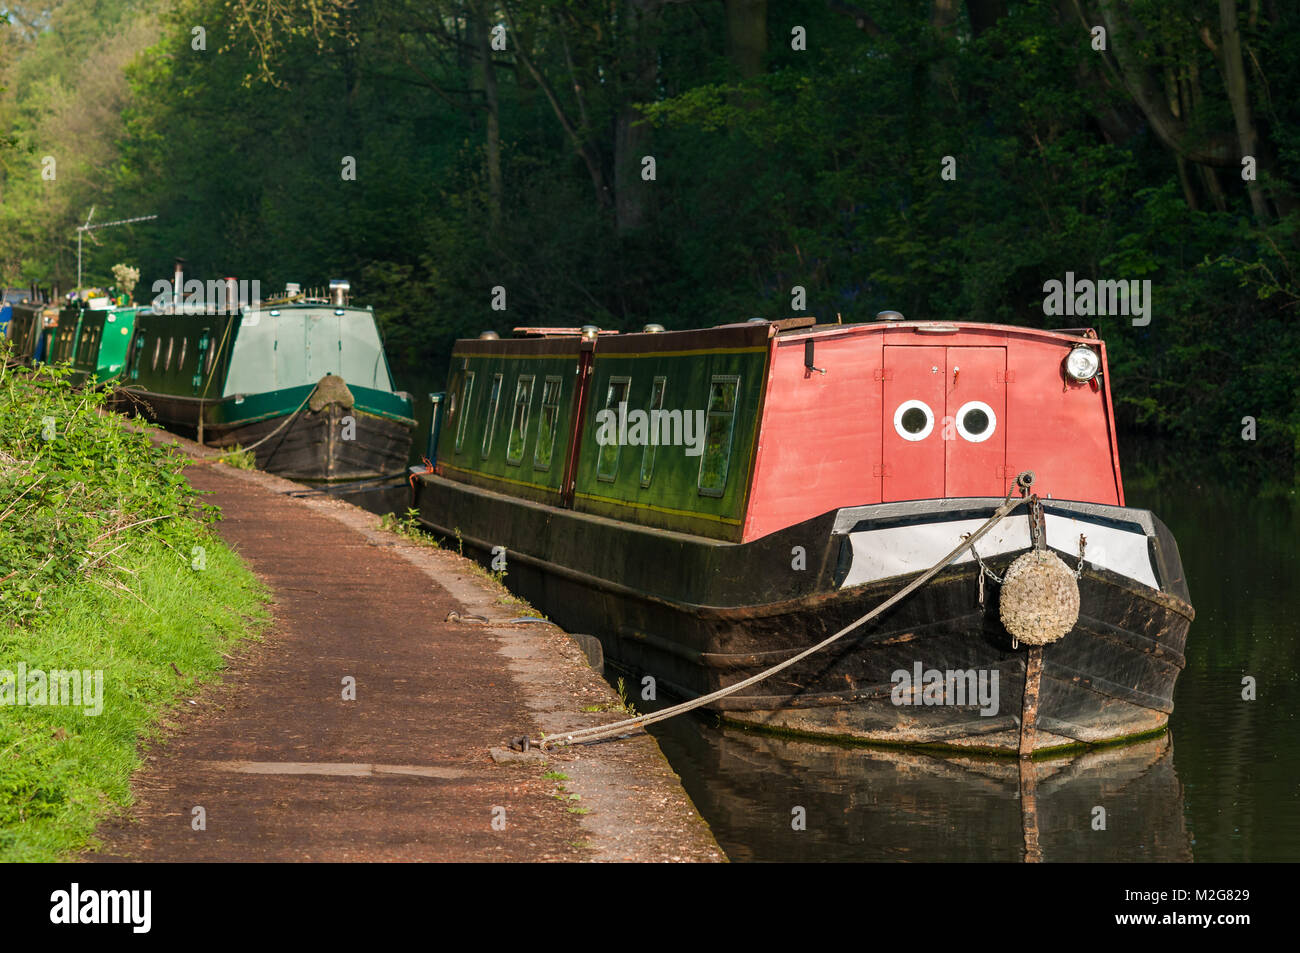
column 1039, row 602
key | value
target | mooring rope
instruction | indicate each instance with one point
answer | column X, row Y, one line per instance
column 360, row 486
column 598, row 732
column 253, row 446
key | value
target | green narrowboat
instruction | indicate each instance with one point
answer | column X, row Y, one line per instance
column 304, row 383
column 93, row 334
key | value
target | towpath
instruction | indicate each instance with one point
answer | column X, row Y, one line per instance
column 286, row 768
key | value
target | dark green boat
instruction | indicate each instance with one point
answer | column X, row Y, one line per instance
column 31, row 330
column 304, row 384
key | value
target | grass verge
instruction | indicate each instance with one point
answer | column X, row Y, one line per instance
column 63, row 770
column 117, row 599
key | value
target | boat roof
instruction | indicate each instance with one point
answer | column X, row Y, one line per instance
column 797, row 328
column 941, row 327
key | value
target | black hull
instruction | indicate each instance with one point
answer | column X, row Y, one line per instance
column 311, row 448
column 698, row 615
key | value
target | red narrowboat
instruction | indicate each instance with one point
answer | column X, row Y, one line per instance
column 709, row 503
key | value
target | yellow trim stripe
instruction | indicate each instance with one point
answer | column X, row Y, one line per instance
column 711, row 350
column 492, row 476
column 608, row 356
column 659, row 509
column 600, row 499
column 516, row 357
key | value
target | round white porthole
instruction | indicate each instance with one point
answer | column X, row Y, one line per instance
column 913, row 420
column 976, row 421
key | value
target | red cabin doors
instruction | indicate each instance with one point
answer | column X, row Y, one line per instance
column 944, row 432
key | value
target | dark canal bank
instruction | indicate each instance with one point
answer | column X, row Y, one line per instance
column 1222, row 785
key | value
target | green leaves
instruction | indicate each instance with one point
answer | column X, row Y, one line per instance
column 73, row 506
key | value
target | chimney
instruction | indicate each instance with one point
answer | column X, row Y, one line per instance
column 178, row 283
column 339, row 289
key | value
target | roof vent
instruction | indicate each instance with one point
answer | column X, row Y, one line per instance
column 653, row 329
column 589, row 332
column 489, row 336
column 888, row 316
column 757, row 321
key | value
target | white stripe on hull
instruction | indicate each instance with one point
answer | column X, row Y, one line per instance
column 902, row 550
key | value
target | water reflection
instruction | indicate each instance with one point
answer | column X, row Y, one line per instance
column 876, row 804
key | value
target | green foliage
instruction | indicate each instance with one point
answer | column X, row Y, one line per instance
column 408, row 526
column 239, row 458
column 79, row 491
column 819, row 169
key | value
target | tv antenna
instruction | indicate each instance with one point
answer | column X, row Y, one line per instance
column 87, row 227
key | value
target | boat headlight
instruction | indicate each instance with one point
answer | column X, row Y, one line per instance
column 1082, row 364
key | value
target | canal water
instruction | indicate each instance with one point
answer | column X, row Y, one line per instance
column 1222, row 785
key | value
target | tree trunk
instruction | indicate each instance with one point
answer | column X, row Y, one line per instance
column 1214, row 149
column 577, row 137
column 747, row 35
column 1234, row 79
column 632, row 136
column 486, row 80
column 943, row 17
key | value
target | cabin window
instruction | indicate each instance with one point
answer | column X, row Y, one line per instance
column 913, row 420
column 466, row 390
column 719, row 423
column 546, row 428
column 656, row 433
column 607, row 434
column 171, row 346
column 83, row 346
column 494, row 404
column 519, row 421
column 157, row 352
column 136, row 351
column 212, row 356
column 185, row 346
column 976, row 421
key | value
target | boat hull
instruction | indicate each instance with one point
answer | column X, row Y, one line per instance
column 327, row 443
column 313, row 447
column 696, row 615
